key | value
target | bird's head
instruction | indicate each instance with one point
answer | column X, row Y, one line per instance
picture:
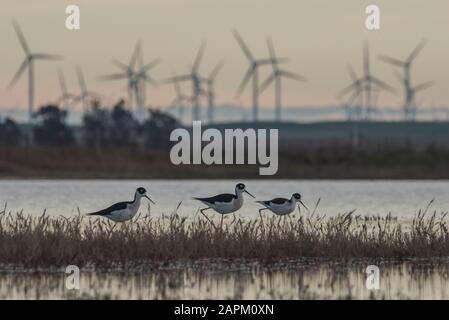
column 297, row 197
column 142, row 193
column 240, row 188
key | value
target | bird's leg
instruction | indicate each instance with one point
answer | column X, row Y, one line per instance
column 261, row 218
column 291, row 221
column 202, row 212
column 221, row 222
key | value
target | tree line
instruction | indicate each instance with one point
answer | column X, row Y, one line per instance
column 101, row 128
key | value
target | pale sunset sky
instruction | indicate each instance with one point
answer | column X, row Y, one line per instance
column 319, row 36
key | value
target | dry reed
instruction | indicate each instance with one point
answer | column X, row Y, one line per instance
column 55, row 241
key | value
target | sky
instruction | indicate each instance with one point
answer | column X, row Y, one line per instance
column 319, row 36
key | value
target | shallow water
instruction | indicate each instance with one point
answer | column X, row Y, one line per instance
column 402, row 198
column 422, row 280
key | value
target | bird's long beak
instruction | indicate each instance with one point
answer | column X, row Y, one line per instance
column 150, row 199
column 250, row 194
column 303, row 205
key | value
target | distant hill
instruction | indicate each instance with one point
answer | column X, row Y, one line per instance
column 228, row 113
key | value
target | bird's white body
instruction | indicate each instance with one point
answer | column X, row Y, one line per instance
column 226, row 203
column 227, row 207
column 280, row 209
column 125, row 214
column 123, row 211
column 282, row 206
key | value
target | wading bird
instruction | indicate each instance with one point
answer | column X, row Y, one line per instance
column 282, row 206
column 123, row 211
column 225, row 203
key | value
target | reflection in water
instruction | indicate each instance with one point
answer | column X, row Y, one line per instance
column 410, row 280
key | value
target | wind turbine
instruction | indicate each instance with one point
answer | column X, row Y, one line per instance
column 276, row 77
column 84, row 93
column 128, row 73
column 65, row 97
column 29, row 61
column 252, row 73
column 366, row 84
column 141, row 78
column 210, row 82
column 353, row 105
column 196, row 80
column 409, row 107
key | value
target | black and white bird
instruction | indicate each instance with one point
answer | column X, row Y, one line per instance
column 225, row 203
column 123, row 211
column 282, row 206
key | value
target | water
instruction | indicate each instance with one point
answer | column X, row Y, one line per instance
column 411, row 280
column 62, row 197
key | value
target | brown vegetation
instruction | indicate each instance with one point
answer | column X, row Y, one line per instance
column 48, row 241
column 294, row 162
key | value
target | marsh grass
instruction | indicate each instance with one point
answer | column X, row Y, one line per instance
column 56, row 241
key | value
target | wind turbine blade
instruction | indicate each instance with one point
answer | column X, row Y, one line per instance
column 271, row 50
column 150, row 80
column 81, row 81
column 354, row 95
column 244, row 81
column 243, row 45
column 62, row 83
column 382, row 84
column 416, row 51
column 366, row 67
column 135, row 54
column 216, row 70
column 21, row 37
column 198, row 57
column 116, row 76
column 18, row 73
column 423, row 86
column 293, row 76
column 46, row 56
column 267, row 82
column 352, row 73
column 121, row 65
column 393, row 61
column 272, row 61
column 178, row 78
column 150, row 65
column 346, row 90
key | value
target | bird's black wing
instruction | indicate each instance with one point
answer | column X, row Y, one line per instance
column 225, row 197
column 108, row 210
column 277, row 201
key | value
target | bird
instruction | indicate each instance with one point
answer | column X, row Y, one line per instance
column 123, row 211
column 282, row 206
column 224, row 203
